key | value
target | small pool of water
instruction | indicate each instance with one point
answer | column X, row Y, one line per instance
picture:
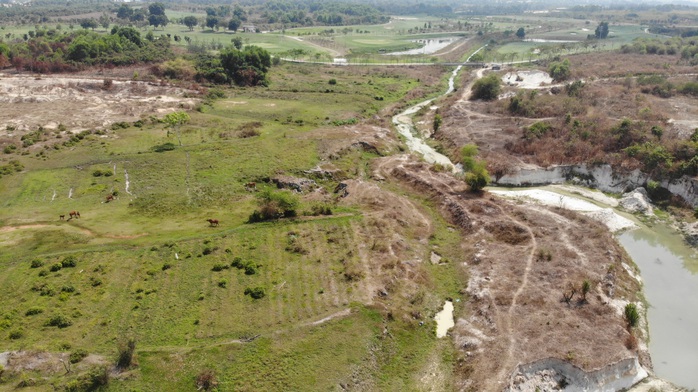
column 444, row 320
column 431, row 45
column 669, row 270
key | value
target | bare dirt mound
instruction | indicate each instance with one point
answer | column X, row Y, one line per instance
column 28, row 102
column 521, row 259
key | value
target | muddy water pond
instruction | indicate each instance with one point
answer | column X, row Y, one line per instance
column 670, row 273
column 431, row 45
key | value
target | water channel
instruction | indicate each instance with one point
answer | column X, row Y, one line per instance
column 669, row 269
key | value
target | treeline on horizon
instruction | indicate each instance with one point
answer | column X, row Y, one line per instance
column 329, row 13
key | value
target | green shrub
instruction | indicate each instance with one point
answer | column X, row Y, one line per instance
column 487, row 88
column 223, row 283
column 78, row 355
column 164, row 147
column 632, row 317
column 166, row 266
column 332, row 81
column 33, row 311
column 36, row 263
column 59, row 321
column 16, row 334
column 250, row 269
column 126, row 349
column 255, row 292
column 219, row 267
column 68, row 289
column 56, row 267
column 69, row 262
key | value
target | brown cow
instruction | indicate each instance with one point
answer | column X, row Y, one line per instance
column 212, row 222
column 251, row 186
column 74, row 214
column 62, row 217
column 109, row 198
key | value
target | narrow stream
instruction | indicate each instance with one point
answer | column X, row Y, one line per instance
column 405, row 126
column 669, row 269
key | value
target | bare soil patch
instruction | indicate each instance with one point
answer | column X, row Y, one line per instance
column 28, row 102
column 521, row 259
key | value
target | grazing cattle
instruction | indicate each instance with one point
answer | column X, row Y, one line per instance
column 74, row 214
column 251, row 186
column 212, row 222
column 62, row 217
column 109, row 198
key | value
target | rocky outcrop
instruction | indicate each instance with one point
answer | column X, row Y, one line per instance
column 555, row 374
column 294, row 183
column 690, row 233
column 637, row 201
column 601, row 177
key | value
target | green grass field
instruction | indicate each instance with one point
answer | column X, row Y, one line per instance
column 148, row 266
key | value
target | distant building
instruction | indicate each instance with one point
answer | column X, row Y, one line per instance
column 249, row 29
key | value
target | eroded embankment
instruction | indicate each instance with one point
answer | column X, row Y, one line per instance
column 553, row 373
column 521, row 259
column 601, row 177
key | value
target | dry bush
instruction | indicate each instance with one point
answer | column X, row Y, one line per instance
column 631, row 342
column 249, row 129
column 206, row 380
column 508, row 232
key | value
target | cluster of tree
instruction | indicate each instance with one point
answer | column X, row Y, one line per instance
column 246, row 67
column 312, row 12
column 70, row 51
column 660, row 86
column 686, row 47
column 630, row 144
column 153, row 15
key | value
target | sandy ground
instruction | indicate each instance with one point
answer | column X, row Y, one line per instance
column 28, row 102
column 607, row 216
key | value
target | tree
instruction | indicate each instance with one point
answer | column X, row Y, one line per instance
column 190, row 21
column 521, row 33
column 211, row 21
column 559, row 71
column 104, row 21
column 468, row 154
column 487, row 88
column 601, row 31
column 631, row 315
column 234, row 24
column 124, row 12
column 476, row 175
column 156, row 9
column 89, row 23
column 175, row 120
column 237, row 42
column 586, row 287
column 437, row 122
column 126, row 349
column 246, row 67
column 158, row 20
